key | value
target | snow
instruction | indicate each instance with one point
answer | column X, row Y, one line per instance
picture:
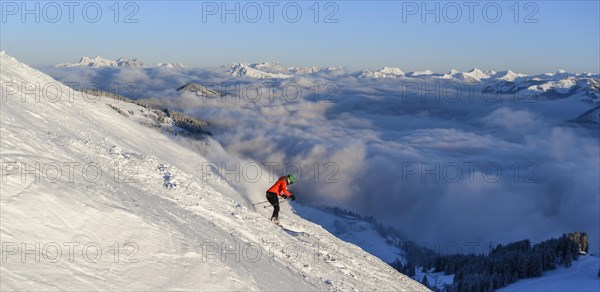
column 385, row 72
column 391, row 71
column 422, row 73
column 353, row 230
column 171, row 65
column 473, row 75
column 100, row 62
column 244, row 70
column 450, row 74
column 581, row 276
column 167, row 218
column 438, row 280
column 268, row 64
column 510, row 76
column 96, row 62
column 561, row 86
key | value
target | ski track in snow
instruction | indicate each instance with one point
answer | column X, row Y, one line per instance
column 160, row 210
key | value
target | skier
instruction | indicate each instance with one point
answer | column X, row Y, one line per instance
column 280, row 189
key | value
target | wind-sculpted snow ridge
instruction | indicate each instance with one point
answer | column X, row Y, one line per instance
column 92, row 200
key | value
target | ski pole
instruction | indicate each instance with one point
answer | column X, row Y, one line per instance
column 279, row 203
column 260, row 203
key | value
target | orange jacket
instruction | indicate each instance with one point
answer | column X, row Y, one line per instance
column 280, row 187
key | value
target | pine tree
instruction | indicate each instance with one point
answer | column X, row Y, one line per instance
column 568, row 260
column 522, row 267
column 534, row 266
column 424, row 281
column 584, row 242
column 409, row 269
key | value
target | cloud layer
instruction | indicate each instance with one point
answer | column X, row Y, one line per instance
column 439, row 170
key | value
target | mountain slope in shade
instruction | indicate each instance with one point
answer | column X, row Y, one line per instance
column 590, row 118
column 198, row 89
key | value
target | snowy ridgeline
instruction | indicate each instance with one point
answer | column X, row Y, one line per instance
column 503, row 84
column 92, row 200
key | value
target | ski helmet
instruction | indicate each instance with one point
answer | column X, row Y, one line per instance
column 291, row 178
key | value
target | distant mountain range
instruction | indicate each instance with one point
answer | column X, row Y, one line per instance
column 100, row 62
column 560, row 84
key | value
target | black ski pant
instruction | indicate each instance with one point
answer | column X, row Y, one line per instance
column 274, row 200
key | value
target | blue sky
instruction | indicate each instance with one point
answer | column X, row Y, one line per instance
column 368, row 34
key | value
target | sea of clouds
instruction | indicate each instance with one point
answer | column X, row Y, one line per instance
column 441, row 166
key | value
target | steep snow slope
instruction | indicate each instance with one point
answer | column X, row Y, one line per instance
column 93, row 200
column 355, row 230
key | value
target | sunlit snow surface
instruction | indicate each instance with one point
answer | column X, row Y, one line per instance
column 152, row 236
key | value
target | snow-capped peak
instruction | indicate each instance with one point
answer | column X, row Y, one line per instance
column 422, row 73
column 509, row 76
column 392, row 71
column 268, row 64
column 473, row 75
column 170, row 65
column 124, row 62
column 385, row 72
column 245, row 70
column 100, row 62
column 91, row 62
column 450, row 74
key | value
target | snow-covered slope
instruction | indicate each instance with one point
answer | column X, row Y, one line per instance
column 160, row 219
column 581, row 276
column 355, row 230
